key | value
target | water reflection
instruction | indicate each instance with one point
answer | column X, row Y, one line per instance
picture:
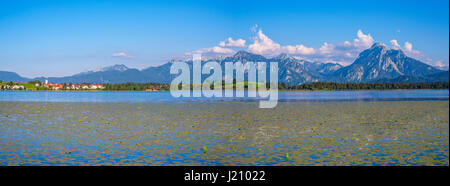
column 165, row 96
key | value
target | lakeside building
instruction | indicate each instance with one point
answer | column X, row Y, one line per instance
column 84, row 86
column 96, row 86
column 11, row 87
column 153, row 88
column 75, row 87
column 17, row 87
column 4, row 87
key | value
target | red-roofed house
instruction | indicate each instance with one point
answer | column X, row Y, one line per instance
column 17, row 87
column 84, row 86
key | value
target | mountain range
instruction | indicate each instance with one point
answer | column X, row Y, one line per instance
column 376, row 64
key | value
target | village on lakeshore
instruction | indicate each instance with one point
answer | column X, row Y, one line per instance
column 37, row 85
column 46, row 85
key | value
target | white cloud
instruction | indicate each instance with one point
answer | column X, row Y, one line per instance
column 122, row 55
column 265, row 46
column 408, row 46
column 232, row 43
column 326, row 48
column 345, row 52
column 220, row 50
column 213, row 51
column 363, row 41
column 440, row 64
column 298, row 49
column 360, row 43
column 409, row 49
column 395, row 44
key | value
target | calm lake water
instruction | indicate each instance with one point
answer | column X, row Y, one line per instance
column 151, row 128
column 165, row 96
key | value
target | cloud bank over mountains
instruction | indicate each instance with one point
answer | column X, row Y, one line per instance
column 408, row 49
column 232, row 43
column 343, row 53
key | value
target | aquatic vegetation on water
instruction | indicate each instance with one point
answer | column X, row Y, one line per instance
column 225, row 133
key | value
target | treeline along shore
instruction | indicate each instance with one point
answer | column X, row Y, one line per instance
column 366, row 86
column 281, row 86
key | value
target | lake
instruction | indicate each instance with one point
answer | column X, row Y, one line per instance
column 164, row 96
column 150, row 128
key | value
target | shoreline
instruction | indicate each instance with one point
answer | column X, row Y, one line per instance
column 244, row 90
column 285, row 101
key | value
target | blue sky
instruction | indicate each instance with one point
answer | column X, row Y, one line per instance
column 59, row 38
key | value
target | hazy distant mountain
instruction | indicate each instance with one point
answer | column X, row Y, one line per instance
column 112, row 74
column 11, row 76
column 119, row 68
column 376, row 64
column 159, row 74
column 379, row 63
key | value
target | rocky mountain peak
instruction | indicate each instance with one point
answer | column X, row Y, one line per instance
column 283, row 56
column 117, row 67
